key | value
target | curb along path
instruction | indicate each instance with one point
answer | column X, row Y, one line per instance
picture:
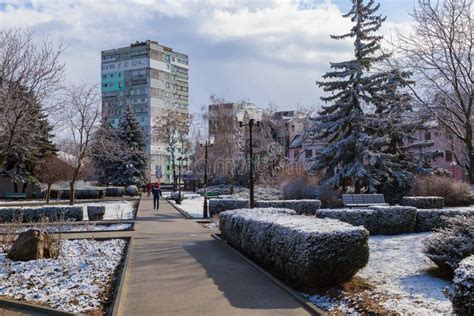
column 177, row 268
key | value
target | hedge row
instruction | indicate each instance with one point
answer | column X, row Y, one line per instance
column 429, row 220
column 36, row 214
column 304, row 251
column 302, row 207
column 385, row 220
column 81, row 194
column 463, row 288
column 423, row 202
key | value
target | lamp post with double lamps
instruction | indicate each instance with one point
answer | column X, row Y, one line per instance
column 453, row 165
column 180, row 159
column 206, row 144
column 250, row 118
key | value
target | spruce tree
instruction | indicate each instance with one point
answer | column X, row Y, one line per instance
column 352, row 88
column 133, row 167
column 107, row 153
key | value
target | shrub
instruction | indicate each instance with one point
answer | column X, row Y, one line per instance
column 423, row 202
column 81, row 194
column 114, row 191
column 329, row 197
column 301, row 207
column 301, row 187
column 132, row 190
column 463, row 288
column 52, row 213
column 217, row 206
column 96, row 212
column 448, row 246
column 304, row 251
column 455, row 193
column 378, row 220
column 429, row 220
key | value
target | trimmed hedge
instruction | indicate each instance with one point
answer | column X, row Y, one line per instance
column 302, row 207
column 423, row 202
column 304, row 251
column 36, row 214
column 463, row 288
column 378, row 220
column 429, row 220
column 132, row 190
column 96, row 212
column 217, row 206
column 114, row 191
column 81, row 194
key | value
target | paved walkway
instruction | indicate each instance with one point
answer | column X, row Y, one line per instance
column 177, row 268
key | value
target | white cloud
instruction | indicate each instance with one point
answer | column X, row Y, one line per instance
column 284, row 44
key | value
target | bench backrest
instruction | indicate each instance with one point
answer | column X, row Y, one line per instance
column 363, row 199
column 13, row 194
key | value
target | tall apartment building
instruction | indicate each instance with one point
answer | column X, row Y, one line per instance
column 152, row 79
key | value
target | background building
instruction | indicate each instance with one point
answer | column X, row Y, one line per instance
column 152, row 79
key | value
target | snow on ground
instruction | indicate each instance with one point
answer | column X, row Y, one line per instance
column 117, row 209
column 78, row 228
column 397, row 270
column 192, row 204
column 397, row 267
column 75, row 282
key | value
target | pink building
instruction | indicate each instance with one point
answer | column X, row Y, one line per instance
column 302, row 149
column 450, row 146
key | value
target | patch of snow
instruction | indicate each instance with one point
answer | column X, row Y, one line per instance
column 115, row 210
column 75, row 282
column 397, row 267
column 192, row 206
column 78, row 228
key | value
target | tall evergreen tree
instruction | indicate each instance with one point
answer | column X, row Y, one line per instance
column 107, row 153
column 133, row 167
column 352, row 87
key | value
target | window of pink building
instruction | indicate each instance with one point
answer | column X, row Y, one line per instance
column 448, row 155
column 309, row 153
column 427, row 136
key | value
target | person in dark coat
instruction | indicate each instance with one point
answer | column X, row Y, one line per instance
column 156, row 191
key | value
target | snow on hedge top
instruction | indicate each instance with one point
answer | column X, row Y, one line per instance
column 282, row 218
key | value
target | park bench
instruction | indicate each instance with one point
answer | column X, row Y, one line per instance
column 363, row 200
column 15, row 195
column 210, row 194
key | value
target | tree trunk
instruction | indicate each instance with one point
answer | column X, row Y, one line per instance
column 48, row 193
column 23, row 189
column 174, row 174
column 71, row 191
column 15, row 187
column 468, row 144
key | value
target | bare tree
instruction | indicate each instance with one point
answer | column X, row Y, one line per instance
column 172, row 128
column 30, row 74
column 439, row 51
column 81, row 116
column 51, row 170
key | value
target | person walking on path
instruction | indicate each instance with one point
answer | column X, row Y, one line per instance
column 156, row 191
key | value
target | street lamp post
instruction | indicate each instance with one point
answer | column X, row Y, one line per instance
column 180, row 159
column 206, row 144
column 254, row 118
column 453, row 165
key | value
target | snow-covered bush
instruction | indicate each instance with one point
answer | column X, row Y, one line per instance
column 302, row 187
column 378, row 220
column 455, row 193
column 448, row 246
column 132, row 190
column 429, row 220
column 302, row 207
column 423, row 202
column 114, row 191
column 217, row 206
column 39, row 213
column 463, row 288
column 304, row 251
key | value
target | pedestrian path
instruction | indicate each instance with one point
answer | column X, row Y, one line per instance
column 177, row 268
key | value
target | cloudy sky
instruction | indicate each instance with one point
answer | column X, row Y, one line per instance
column 265, row 51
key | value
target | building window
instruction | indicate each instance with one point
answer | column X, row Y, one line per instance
column 448, row 155
column 427, row 136
column 309, row 153
column 296, row 153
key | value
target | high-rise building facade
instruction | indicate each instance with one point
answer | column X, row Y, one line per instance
column 153, row 80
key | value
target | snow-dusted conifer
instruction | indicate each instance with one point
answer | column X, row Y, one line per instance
column 352, row 88
column 133, row 167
